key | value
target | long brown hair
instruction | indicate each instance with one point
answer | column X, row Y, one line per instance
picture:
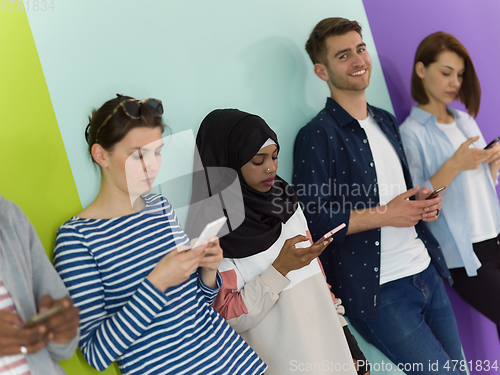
column 428, row 52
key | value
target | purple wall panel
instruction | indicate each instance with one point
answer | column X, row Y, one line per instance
column 398, row 27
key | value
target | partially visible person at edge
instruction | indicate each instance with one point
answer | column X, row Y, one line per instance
column 29, row 285
column 385, row 265
column 445, row 147
column 274, row 292
column 143, row 303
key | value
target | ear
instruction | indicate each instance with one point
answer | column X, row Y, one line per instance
column 420, row 69
column 321, row 72
column 99, row 154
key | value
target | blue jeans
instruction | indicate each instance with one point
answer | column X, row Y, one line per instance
column 416, row 328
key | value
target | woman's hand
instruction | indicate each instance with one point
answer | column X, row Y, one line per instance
column 213, row 256
column 14, row 335
column 176, row 267
column 291, row 258
column 466, row 158
column 210, row 263
column 494, row 160
column 63, row 326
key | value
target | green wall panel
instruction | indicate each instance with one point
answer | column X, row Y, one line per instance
column 34, row 167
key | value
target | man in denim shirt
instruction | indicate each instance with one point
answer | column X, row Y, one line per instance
column 349, row 166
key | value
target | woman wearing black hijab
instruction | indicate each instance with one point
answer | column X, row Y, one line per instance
column 274, row 292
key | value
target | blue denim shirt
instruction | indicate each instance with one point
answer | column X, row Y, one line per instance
column 334, row 172
column 427, row 149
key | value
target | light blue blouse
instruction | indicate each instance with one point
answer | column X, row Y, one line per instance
column 427, row 148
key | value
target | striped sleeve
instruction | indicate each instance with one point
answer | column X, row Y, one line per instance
column 104, row 337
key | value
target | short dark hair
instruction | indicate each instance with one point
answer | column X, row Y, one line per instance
column 118, row 125
column 333, row 26
column 428, row 52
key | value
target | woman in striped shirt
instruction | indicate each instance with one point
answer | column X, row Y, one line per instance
column 143, row 304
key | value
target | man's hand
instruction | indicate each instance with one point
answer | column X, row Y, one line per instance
column 433, row 212
column 13, row 335
column 402, row 212
column 63, row 326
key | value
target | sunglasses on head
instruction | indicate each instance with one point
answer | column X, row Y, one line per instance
column 132, row 108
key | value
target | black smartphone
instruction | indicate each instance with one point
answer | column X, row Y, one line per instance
column 435, row 193
column 492, row 143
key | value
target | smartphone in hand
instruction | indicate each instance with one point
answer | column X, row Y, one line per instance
column 330, row 233
column 208, row 232
column 435, row 193
column 492, row 143
column 39, row 318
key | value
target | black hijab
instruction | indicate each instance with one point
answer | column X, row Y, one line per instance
column 228, row 139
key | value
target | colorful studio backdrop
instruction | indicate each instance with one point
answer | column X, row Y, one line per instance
column 61, row 58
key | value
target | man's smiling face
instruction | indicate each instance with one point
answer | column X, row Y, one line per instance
column 348, row 64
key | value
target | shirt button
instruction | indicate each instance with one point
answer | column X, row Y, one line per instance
column 376, row 269
column 377, row 243
column 365, row 141
column 375, row 190
column 371, row 164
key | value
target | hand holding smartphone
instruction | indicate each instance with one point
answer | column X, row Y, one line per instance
column 39, row 318
column 492, row 143
column 435, row 193
column 208, row 232
column 330, row 233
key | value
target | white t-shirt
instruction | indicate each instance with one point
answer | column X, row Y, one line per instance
column 482, row 223
column 402, row 252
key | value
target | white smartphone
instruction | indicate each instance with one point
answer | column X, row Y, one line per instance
column 330, row 233
column 209, row 231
